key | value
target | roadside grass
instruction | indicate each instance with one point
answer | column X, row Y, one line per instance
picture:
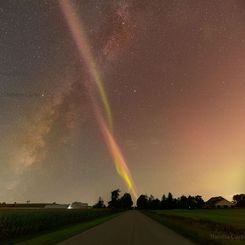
column 53, row 237
column 217, row 227
column 234, row 217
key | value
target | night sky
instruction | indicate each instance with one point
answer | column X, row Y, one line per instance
column 174, row 75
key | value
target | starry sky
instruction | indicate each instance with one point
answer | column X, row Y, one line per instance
column 174, row 75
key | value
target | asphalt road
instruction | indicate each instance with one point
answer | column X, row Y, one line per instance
column 129, row 228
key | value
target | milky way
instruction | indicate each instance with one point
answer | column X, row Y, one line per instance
column 173, row 72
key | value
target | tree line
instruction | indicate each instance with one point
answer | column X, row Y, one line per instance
column 239, row 199
column 166, row 202
column 169, row 202
column 124, row 202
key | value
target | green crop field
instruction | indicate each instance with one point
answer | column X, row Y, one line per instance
column 15, row 223
column 205, row 226
column 234, row 217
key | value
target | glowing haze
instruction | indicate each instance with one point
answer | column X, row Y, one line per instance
column 85, row 85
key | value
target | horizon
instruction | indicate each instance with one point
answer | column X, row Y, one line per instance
column 107, row 200
column 147, row 97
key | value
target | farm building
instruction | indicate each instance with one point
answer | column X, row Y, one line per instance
column 76, row 205
column 54, row 205
column 23, row 205
column 218, row 202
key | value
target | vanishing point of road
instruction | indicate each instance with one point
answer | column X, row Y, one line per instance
column 129, row 228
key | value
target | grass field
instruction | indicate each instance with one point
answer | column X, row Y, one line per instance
column 49, row 238
column 18, row 223
column 205, row 226
column 234, row 217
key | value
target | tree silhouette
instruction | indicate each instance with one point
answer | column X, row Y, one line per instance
column 150, row 202
column 199, row 201
column 126, row 201
column 115, row 202
column 164, row 202
column 156, row 203
column 239, row 199
column 169, row 200
column 183, row 202
column 99, row 204
column 142, row 202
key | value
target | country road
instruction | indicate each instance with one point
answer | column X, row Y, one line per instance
column 129, row 228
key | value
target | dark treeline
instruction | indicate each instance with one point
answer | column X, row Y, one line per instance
column 145, row 202
column 239, row 200
column 124, row 202
column 166, row 202
column 169, row 202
